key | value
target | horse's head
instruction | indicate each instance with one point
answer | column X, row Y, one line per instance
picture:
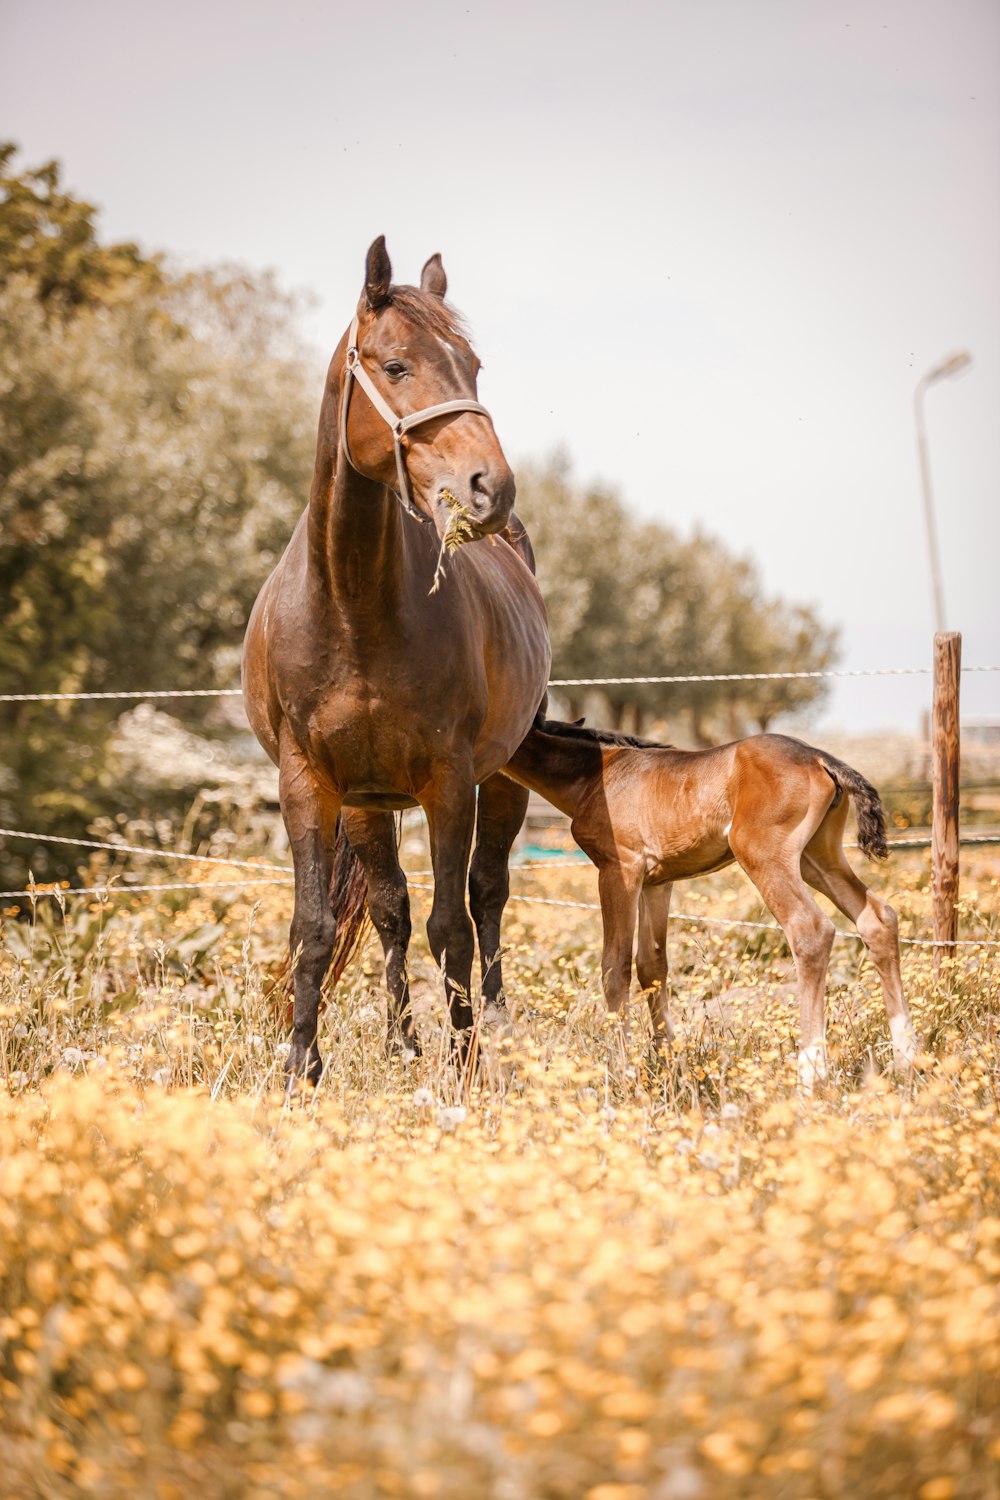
column 416, row 425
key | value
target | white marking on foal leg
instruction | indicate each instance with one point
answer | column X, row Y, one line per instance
column 812, row 1066
column 904, row 1042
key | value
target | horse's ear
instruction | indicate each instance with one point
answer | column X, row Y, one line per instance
column 433, row 281
column 378, row 274
column 579, row 723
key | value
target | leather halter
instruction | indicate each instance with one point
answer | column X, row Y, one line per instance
column 398, row 425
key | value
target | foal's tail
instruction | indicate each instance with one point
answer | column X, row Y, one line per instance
column 348, row 902
column 867, row 804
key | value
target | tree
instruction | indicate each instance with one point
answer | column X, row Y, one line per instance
column 631, row 598
column 49, row 237
column 156, row 444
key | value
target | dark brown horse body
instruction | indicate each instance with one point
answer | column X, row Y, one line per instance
column 373, row 691
column 649, row 815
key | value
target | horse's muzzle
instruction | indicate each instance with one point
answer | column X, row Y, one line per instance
column 484, row 497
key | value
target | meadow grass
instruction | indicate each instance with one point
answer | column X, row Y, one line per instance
column 590, row 1276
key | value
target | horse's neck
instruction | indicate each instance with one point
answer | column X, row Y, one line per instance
column 560, row 769
column 355, row 537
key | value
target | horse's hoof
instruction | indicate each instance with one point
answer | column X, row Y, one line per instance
column 405, row 1047
column 464, row 1050
column 495, row 1018
column 303, row 1069
column 812, row 1067
column 904, row 1044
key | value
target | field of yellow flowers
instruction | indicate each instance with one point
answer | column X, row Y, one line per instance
column 589, row 1277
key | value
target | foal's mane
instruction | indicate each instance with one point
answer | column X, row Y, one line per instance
column 429, row 313
column 580, row 731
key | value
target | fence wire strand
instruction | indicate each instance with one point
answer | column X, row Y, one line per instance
column 105, row 892
column 285, row 876
column 556, row 682
column 258, row 864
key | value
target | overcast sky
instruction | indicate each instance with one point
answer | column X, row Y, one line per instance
column 706, row 246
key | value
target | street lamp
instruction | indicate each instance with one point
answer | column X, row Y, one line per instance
column 947, row 367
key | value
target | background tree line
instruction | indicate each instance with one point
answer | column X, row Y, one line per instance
column 157, row 432
column 631, row 598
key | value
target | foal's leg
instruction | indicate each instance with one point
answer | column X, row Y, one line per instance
column 500, row 813
column 450, row 805
column 310, row 817
column 373, row 838
column 772, row 860
column 619, row 890
column 826, row 869
column 651, row 957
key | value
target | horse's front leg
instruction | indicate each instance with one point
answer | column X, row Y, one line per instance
column 373, row 839
column 500, row 812
column 651, row 958
column 310, row 817
column 450, row 805
column 619, row 887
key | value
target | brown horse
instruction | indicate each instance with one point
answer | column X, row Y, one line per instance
column 648, row 815
column 373, row 690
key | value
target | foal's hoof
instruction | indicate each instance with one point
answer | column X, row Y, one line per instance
column 404, row 1045
column 463, row 1043
column 812, row 1068
column 904, row 1045
column 303, row 1068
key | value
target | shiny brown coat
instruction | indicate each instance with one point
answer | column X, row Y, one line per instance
column 372, row 691
column 649, row 815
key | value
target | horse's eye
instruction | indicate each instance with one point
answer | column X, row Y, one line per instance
column 394, row 369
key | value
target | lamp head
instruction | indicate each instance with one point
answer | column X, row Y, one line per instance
column 953, row 365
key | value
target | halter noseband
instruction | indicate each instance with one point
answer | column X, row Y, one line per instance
column 355, row 370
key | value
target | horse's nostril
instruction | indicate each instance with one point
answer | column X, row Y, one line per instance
column 477, row 484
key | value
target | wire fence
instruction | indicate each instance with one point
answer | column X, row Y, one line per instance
column 415, row 880
column 265, row 874
column 555, row 682
column 258, row 864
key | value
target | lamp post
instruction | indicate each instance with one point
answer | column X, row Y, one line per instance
column 945, row 732
column 950, row 366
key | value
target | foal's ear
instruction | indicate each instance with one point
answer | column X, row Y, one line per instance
column 378, row 274
column 433, row 281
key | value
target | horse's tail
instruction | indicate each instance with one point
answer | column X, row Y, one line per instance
column 348, row 902
column 867, row 804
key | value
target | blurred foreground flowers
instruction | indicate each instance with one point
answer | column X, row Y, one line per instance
column 584, row 1279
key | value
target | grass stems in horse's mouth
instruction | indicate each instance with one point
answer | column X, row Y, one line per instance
column 458, row 531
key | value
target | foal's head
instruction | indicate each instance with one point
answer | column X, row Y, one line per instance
column 412, row 347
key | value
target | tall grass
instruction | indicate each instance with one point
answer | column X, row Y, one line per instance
column 588, row 1275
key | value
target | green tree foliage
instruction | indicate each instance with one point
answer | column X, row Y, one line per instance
column 49, row 237
column 156, row 443
column 631, row 598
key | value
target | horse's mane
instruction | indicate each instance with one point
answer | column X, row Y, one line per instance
column 580, row 731
column 428, row 312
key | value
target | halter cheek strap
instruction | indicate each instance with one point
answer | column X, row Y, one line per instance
column 355, row 371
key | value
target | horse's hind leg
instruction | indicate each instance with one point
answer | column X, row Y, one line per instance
column 501, row 809
column 373, row 838
column 771, row 858
column 651, row 957
column 825, row 867
column 310, row 818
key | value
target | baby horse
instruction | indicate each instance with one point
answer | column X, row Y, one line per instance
column 648, row 815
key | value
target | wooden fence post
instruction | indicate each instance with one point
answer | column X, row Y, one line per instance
column 945, row 753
